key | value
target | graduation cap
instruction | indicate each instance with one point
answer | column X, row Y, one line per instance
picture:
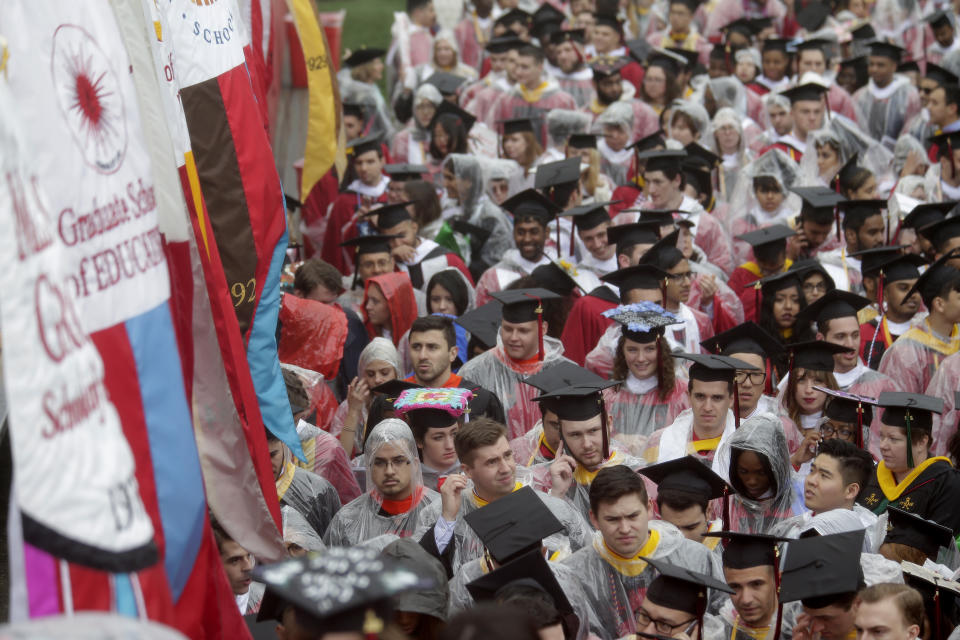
column 525, row 305
column 815, row 355
column 937, row 276
column 887, row 50
column 546, row 13
column 405, row 172
column 529, row 569
column 939, row 19
column 582, row 141
column 639, row 49
column 665, row 160
column 517, row 125
column 363, row 55
column 940, row 596
column 561, row 375
column 466, row 118
column 653, row 254
column 555, row 278
column 515, row 524
column 393, row 388
column 810, row 91
column 910, row 411
column 819, row 203
column 863, row 32
column 902, row 267
column 813, row 15
column 804, row 268
column 608, row 20
column 939, row 233
column 642, row 322
column 556, row 174
column 748, row 550
column 669, row 62
column 927, row 213
column 483, row 323
column 940, row 75
column 530, row 203
column 567, row 35
column 743, row 26
column 691, row 477
column 859, row 66
column 430, row 408
column 771, row 236
column 629, row 235
column 390, row 215
column 834, row 304
column 344, row 589
column 849, row 408
column 639, row 276
column 681, row 589
column 590, row 216
column 819, row 567
column 717, row 368
column 698, row 152
column 690, row 58
column 581, row 401
column 605, row 67
column 747, row 337
column 514, row 16
column 776, row 44
column 908, row 66
column 650, row 142
column 359, row 146
column 353, row 109
column 918, row 533
column 446, row 83
column 872, row 259
column 376, row 243
column 504, row 43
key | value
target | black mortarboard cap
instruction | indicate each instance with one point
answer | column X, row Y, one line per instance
column 899, row 406
column 681, row 589
column 818, row 199
column 816, row 355
column 872, row 259
column 818, row 44
column 650, row 142
column 671, row 64
column 663, row 160
column 639, row 276
column 941, row 231
column 582, row 141
column 940, row 75
column 546, row 12
column 467, row 118
column 577, row 402
column 779, row 281
column 842, row 406
column 515, row 16
column 393, row 388
column 919, row 533
column 810, row 91
column 590, row 216
column 362, row 55
column 652, row 255
column 867, row 208
column 904, row 267
column 555, row 174
column 553, row 277
column 513, row 525
column 859, row 66
column 822, row 566
column 639, row 49
column 938, row 19
column 767, row 235
column 927, row 213
column 863, row 32
column 446, row 83
column 520, row 305
column 812, row 16
column 747, row 337
column 700, row 152
column 530, row 568
column 834, row 304
column 504, row 43
column 937, row 276
column 359, row 146
column 743, row 26
column 517, row 125
column 689, row 475
column 430, row 418
column 908, row 66
column 561, row 375
column 568, row 35
column 531, row 203
column 405, row 172
column 338, row 590
column 748, row 550
column 689, row 57
column 608, row 20
column 708, row 367
column 483, row 323
column 775, row 44
column 353, row 109
column 370, row 244
column 662, row 217
column 628, row 235
column 887, row 50
column 390, row 215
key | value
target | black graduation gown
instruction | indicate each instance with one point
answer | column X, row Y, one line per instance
column 931, row 493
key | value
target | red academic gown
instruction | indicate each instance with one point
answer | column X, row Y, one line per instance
column 585, row 324
column 341, row 226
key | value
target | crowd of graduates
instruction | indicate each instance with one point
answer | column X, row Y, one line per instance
column 630, row 318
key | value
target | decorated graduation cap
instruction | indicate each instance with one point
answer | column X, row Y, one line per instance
column 849, row 408
column 390, row 215
column 359, row 146
column 513, row 525
column 405, row 172
column 681, row 589
column 483, row 323
column 885, row 49
column 582, row 141
column 363, row 55
column 717, row 368
column 563, row 277
column 927, row 213
column 937, row 276
column 345, row 589
column 530, row 203
column 525, row 305
column 517, row 125
column 690, row 477
column 644, row 322
column 466, row 118
column 446, row 83
column 605, row 67
column 529, row 569
column 504, row 43
column 430, row 408
column 663, row 160
column 918, row 533
column 568, row 35
column 834, row 304
column 814, row 355
column 747, row 337
column 819, row 568
column 912, row 411
column 811, row 91
column 639, row 276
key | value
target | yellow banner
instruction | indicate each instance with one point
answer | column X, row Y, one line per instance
column 323, row 119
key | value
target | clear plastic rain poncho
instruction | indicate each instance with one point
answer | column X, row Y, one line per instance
column 367, row 94
column 313, row 496
column 699, row 116
column 727, row 91
column 563, row 123
column 416, row 76
column 429, row 602
column 575, row 534
column 771, row 100
column 378, row 349
column 906, row 144
column 472, row 206
column 885, row 118
column 901, row 22
column 732, row 163
column 615, row 163
column 746, row 213
column 615, row 586
column 297, row 531
column 412, row 143
column 847, row 136
column 837, row 521
column 372, row 514
column 502, row 178
column 496, row 372
column 763, row 435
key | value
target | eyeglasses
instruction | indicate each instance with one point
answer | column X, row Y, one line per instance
column 827, row 430
column 686, row 275
column 396, row 463
column 662, row 626
column 811, row 287
column 756, row 377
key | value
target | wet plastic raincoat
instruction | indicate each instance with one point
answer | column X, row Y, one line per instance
column 944, row 384
column 312, row 335
column 326, row 458
column 883, row 113
column 916, row 355
column 372, row 514
column 677, row 440
column 637, row 410
column 313, row 496
column 296, row 530
column 837, row 521
column 398, row 291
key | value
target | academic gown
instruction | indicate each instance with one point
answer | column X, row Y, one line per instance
column 944, row 384
column 430, row 259
column 585, row 324
column 312, row 496
column 863, row 381
column 883, row 113
column 915, row 356
column 536, row 104
column 876, row 336
column 578, row 84
column 678, row 440
column 930, row 491
column 366, row 518
column 531, row 448
column 511, row 266
column 637, row 414
column 341, row 224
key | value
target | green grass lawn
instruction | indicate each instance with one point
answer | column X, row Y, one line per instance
column 367, row 22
